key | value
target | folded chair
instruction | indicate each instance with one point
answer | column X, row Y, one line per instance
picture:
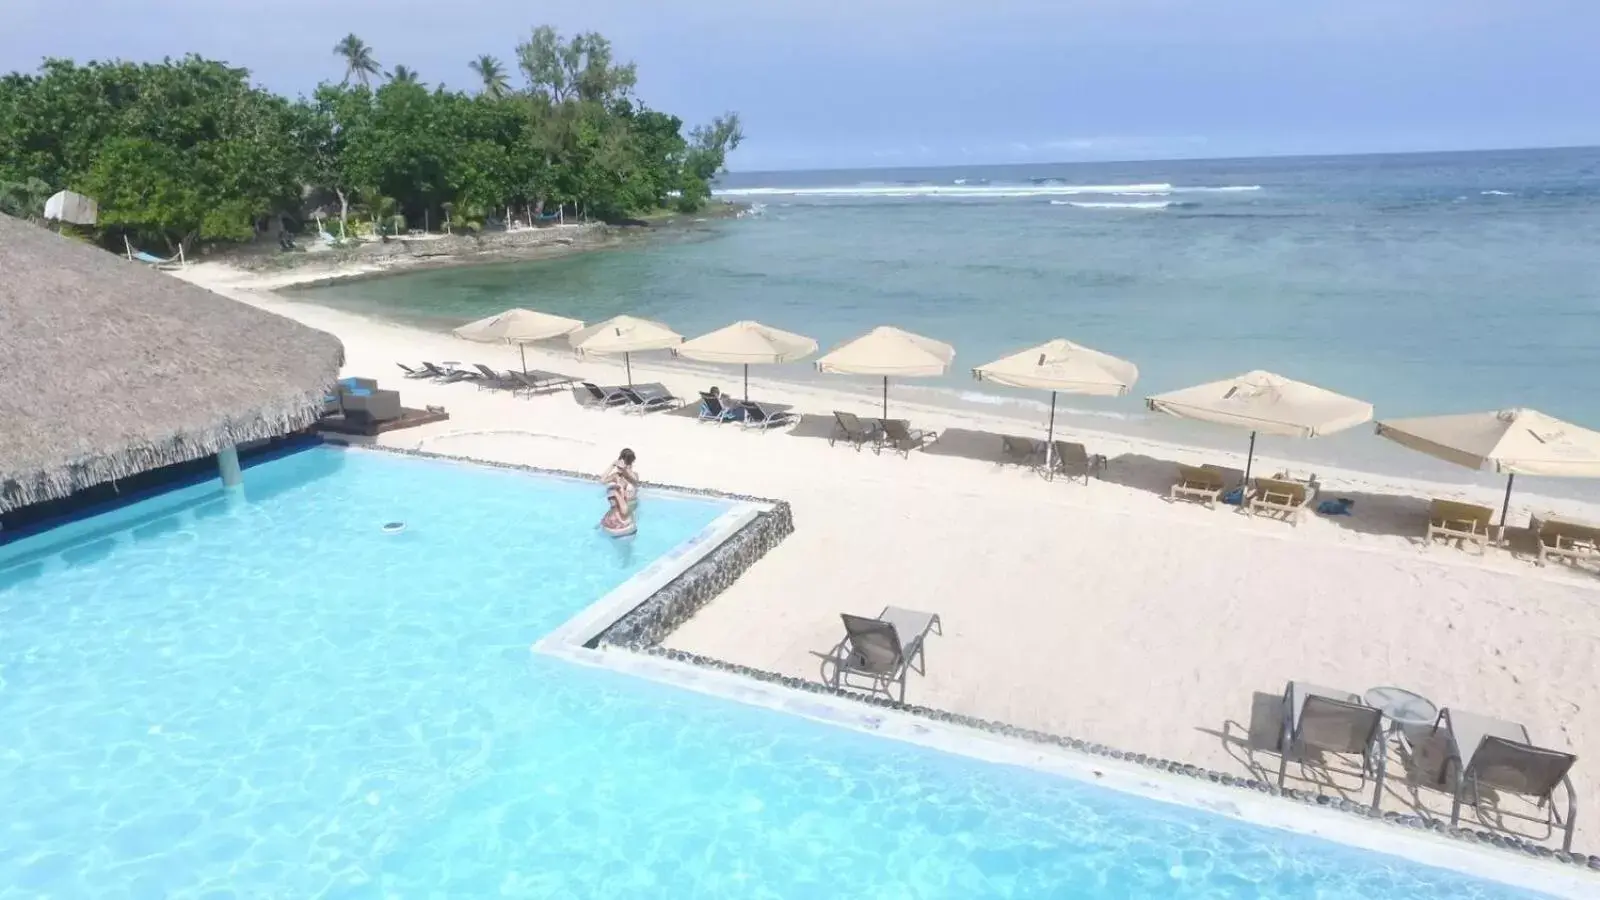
column 884, row 649
column 898, row 435
column 1485, row 752
column 1328, row 720
column 848, row 427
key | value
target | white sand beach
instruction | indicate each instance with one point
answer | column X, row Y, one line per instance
column 1100, row 611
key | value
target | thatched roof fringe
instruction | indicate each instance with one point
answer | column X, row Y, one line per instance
column 75, row 475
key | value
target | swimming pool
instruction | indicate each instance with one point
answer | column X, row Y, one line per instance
column 275, row 697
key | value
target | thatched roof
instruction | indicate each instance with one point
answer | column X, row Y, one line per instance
column 108, row 368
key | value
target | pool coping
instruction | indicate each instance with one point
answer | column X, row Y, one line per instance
column 677, row 585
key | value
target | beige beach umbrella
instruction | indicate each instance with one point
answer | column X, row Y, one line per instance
column 746, row 343
column 518, row 326
column 1266, row 404
column 888, row 351
column 1061, row 367
column 626, row 335
column 1510, row 441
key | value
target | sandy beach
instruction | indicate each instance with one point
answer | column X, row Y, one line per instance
column 1100, row 611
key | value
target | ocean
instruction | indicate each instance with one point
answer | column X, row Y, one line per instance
column 1424, row 283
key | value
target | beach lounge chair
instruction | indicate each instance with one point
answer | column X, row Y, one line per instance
column 1289, row 499
column 847, row 427
column 764, row 415
column 489, row 379
column 1021, row 451
column 643, row 398
column 882, row 650
column 1074, row 461
column 1327, row 720
column 447, row 376
column 414, row 373
column 1563, row 538
column 539, row 382
column 590, row 394
column 1485, row 752
column 712, row 410
column 898, row 435
column 1203, row 484
column 1465, row 522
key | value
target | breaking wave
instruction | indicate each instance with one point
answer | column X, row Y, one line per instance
column 968, row 189
column 1137, row 204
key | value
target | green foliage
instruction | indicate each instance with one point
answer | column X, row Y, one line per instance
column 187, row 150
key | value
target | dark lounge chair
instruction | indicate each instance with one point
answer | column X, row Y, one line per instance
column 883, row 650
column 1021, row 451
column 645, row 398
column 1485, row 752
column 539, row 381
column 1074, row 461
column 489, row 379
column 446, row 376
column 898, row 435
column 1318, row 720
column 591, row 394
column 764, row 416
column 712, row 409
column 414, row 373
column 849, row 427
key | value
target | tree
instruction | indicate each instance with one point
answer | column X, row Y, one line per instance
column 709, row 146
column 358, row 60
column 493, row 76
column 404, row 75
column 24, row 199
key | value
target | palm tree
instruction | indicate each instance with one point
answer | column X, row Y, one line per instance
column 403, row 75
column 358, row 61
column 493, row 74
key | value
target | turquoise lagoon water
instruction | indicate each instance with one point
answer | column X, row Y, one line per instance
column 275, row 698
column 1425, row 283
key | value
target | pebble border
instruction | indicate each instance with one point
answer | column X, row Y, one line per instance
column 642, row 630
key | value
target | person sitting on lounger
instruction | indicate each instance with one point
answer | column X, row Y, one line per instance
column 730, row 407
column 622, row 495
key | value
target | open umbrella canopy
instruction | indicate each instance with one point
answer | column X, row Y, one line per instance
column 1064, row 367
column 1509, row 441
column 624, row 334
column 887, row 351
column 748, row 343
column 1267, row 404
column 518, row 326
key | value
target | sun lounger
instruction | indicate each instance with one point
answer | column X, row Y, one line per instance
column 712, row 410
column 884, row 649
column 1203, row 484
column 539, row 382
column 764, row 415
column 447, row 376
column 1564, row 538
column 590, row 394
column 414, row 373
column 1328, row 720
column 1289, row 499
column 489, row 379
column 645, row 398
column 899, row 436
column 1074, row 461
column 848, row 427
column 1485, row 752
column 1460, row 521
column 1021, row 451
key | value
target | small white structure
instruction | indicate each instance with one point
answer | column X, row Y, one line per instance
column 71, row 207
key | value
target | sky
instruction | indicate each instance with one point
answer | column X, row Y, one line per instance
column 870, row 83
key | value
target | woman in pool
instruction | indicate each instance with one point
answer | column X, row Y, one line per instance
column 622, row 495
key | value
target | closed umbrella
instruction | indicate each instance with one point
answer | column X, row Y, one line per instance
column 1512, row 441
column 746, row 343
column 518, row 326
column 888, row 351
column 626, row 335
column 1060, row 366
column 1267, row 404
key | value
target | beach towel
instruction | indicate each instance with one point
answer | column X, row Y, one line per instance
column 1339, row 507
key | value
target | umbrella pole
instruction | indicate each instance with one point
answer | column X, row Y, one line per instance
column 629, row 364
column 886, row 396
column 523, row 350
column 1248, row 460
column 1050, row 442
column 747, row 381
column 1506, row 506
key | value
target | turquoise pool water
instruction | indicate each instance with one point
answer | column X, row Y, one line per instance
column 275, row 698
